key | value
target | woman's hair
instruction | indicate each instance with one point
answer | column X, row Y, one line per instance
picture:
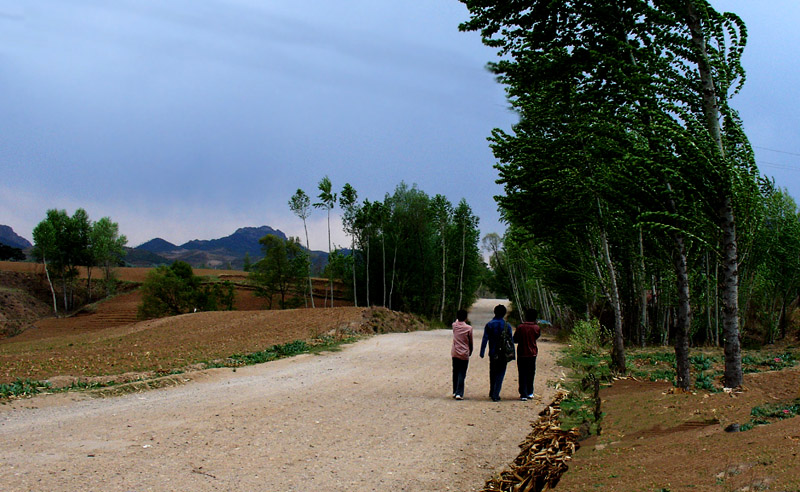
column 462, row 315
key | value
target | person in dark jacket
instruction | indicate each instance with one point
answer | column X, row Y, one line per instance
column 525, row 337
column 497, row 366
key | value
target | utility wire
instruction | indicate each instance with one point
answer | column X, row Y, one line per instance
column 776, row 150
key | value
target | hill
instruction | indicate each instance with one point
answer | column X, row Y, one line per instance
column 11, row 238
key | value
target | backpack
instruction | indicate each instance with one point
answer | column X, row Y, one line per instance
column 505, row 348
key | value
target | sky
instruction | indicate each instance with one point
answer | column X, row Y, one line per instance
column 188, row 119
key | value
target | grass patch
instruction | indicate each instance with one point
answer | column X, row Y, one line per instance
column 772, row 412
column 22, row 388
column 590, row 364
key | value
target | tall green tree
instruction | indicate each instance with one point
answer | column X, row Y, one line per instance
column 106, row 247
column 632, row 88
column 300, row 205
column 348, row 201
column 327, row 200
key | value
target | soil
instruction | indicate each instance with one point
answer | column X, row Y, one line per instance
column 657, row 439
column 377, row 415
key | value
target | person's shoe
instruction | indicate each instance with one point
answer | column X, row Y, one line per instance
column 459, row 397
column 530, row 397
column 495, row 399
column 523, row 398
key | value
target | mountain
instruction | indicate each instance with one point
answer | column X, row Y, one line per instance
column 10, row 238
column 224, row 252
column 156, row 246
column 244, row 240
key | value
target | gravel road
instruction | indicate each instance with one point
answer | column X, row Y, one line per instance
column 376, row 416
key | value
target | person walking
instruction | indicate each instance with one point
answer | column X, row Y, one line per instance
column 525, row 337
column 497, row 363
column 461, row 351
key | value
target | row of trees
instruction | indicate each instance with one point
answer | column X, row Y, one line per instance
column 408, row 252
column 629, row 177
column 63, row 243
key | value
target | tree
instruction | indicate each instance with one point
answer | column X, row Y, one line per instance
column 327, row 201
column 169, row 291
column 9, row 253
column 441, row 213
column 348, row 201
column 284, row 263
column 611, row 90
column 44, row 250
column 300, row 204
column 61, row 242
column 106, row 247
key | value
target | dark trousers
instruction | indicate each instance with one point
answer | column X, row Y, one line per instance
column 527, row 371
column 459, row 375
column 497, row 371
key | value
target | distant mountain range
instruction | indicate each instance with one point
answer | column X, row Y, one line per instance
column 226, row 252
column 10, row 238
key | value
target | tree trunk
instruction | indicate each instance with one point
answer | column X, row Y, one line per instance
column 463, row 261
column 727, row 222
column 330, row 278
column 684, row 319
column 310, row 285
column 618, row 350
column 50, row 283
column 353, row 256
column 368, row 303
column 383, row 261
column 444, row 277
column 730, row 298
column 394, row 265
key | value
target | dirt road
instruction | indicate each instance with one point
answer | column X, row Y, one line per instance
column 376, row 416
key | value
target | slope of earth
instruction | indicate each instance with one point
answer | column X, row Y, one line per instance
column 376, row 416
column 168, row 344
column 656, row 440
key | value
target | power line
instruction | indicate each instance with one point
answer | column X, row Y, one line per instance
column 776, row 150
column 777, row 166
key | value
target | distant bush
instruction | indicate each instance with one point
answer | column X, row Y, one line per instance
column 173, row 290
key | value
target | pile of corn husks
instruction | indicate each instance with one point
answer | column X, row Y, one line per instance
column 544, row 456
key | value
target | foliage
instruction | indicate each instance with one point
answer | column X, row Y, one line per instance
column 63, row 243
column 173, row 290
column 282, row 272
column 410, row 252
column 22, row 387
column 9, row 253
column 629, row 180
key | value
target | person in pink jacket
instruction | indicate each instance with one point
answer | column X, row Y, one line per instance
column 462, row 349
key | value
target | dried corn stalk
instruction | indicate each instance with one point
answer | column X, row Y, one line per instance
column 544, row 456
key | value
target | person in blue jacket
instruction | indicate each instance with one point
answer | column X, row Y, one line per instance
column 491, row 335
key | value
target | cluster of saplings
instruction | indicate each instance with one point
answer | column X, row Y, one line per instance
column 63, row 244
column 631, row 190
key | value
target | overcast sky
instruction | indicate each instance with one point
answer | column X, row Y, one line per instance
column 187, row 119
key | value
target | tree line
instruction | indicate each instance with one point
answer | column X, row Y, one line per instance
column 409, row 252
column 630, row 185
